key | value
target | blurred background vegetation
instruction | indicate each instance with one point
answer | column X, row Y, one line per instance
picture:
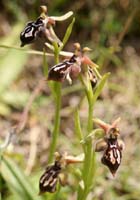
column 111, row 28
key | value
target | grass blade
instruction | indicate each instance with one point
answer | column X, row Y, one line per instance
column 17, row 181
column 68, row 33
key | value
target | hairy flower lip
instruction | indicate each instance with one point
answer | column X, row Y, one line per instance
column 51, row 79
column 68, row 70
column 110, row 144
column 53, row 173
column 36, row 29
column 112, row 155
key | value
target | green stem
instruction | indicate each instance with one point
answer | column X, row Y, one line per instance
column 89, row 167
column 78, row 129
column 90, row 114
column 55, row 132
column 89, row 156
column 57, row 98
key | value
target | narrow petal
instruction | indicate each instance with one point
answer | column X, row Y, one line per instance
column 86, row 60
column 115, row 123
column 102, row 124
column 63, row 17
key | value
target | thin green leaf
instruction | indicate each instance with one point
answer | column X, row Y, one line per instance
column 45, row 65
column 77, row 124
column 95, row 134
column 17, row 181
column 100, row 86
column 49, row 46
column 68, row 33
column 33, row 52
column 25, row 50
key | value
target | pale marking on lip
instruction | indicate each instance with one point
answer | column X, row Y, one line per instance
column 30, row 33
column 58, row 68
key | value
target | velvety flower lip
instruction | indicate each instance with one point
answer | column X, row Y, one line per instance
column 71, row 68
column 48, row 181
column 68, row 69
column 112, row 155
column 42, row 28
column 111, row 145
column 30, row 32
column 52, row 175
column 37, row 29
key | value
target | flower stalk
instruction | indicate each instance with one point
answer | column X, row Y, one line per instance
column 57, row 99
column 87, row 172
column 89, row 165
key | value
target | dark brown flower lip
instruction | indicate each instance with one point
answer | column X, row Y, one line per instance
column 112, row 155
column 111, row 146
column 67, row 70
column 49, row 179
